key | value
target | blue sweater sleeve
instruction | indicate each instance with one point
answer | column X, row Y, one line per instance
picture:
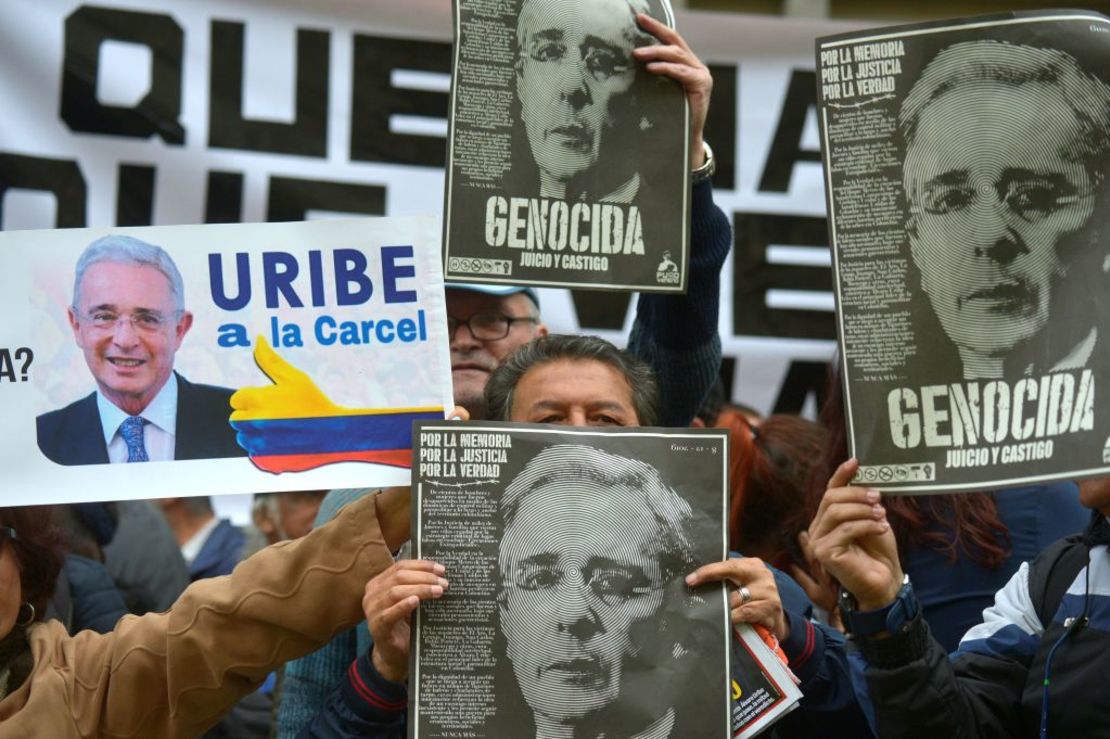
column 310, row 680
column 677, row 334
column 818, row 655
column 364, row 705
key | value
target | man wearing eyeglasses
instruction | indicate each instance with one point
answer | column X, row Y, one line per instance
column 575, row 79
column 1003, row 214
column 581, row 603
column 128, row 317
column 485, row 324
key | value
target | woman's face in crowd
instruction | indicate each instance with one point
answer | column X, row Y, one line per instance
column 11, row 595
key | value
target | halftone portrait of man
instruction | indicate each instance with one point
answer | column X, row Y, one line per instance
column 593, row 607
column 577, row 86
column 578, row 134
column 1006, row 150
column 128, row 317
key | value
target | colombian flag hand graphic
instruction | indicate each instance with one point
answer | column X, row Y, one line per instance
column 292, row 426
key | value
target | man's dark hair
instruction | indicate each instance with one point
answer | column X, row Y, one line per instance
column 555, row 347
column 198, row 505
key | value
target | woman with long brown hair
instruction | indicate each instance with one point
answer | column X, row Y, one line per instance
column 770, row 464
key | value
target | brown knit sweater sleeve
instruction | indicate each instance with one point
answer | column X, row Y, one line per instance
column 174, row 674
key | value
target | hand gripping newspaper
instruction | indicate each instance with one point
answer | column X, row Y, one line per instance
column 965, row 166
column 568, row 609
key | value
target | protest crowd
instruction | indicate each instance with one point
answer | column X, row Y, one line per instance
column 966, row 614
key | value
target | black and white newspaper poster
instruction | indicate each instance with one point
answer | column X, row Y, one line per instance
column 568, row 160
column 567, row 612
column 965, row 167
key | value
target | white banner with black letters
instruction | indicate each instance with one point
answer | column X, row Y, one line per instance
column 130, row 112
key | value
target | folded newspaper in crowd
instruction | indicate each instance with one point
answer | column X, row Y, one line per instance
column 965, row 168
column 568, row 160
column 567, row 557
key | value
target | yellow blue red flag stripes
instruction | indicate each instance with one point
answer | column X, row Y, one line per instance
column 292, row 426
column 294, row 444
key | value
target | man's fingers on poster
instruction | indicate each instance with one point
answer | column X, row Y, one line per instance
column 690, row 77
column 860, row 503
column 845, row 504
column 409, row 577
column 766, row 611
column 846, row 535
column 388, row 600
column 840, row 513
column 673, row 58
column 738, row 571
column 762, row 604
column 382, row 621
column 676, row 58
column 661, row 30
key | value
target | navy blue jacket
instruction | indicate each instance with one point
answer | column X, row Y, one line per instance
column 994, row 685
column 97, row 604
column 220, row 553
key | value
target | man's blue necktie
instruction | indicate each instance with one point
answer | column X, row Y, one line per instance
column 132, row 432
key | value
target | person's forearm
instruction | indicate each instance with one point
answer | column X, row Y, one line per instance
column 690, row 320
column 818, row 656
column 225, row 634
column 393, row 506
column 677, row 334
column 915, row 691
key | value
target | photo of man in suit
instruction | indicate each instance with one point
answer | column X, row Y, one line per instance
column 128, row 317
